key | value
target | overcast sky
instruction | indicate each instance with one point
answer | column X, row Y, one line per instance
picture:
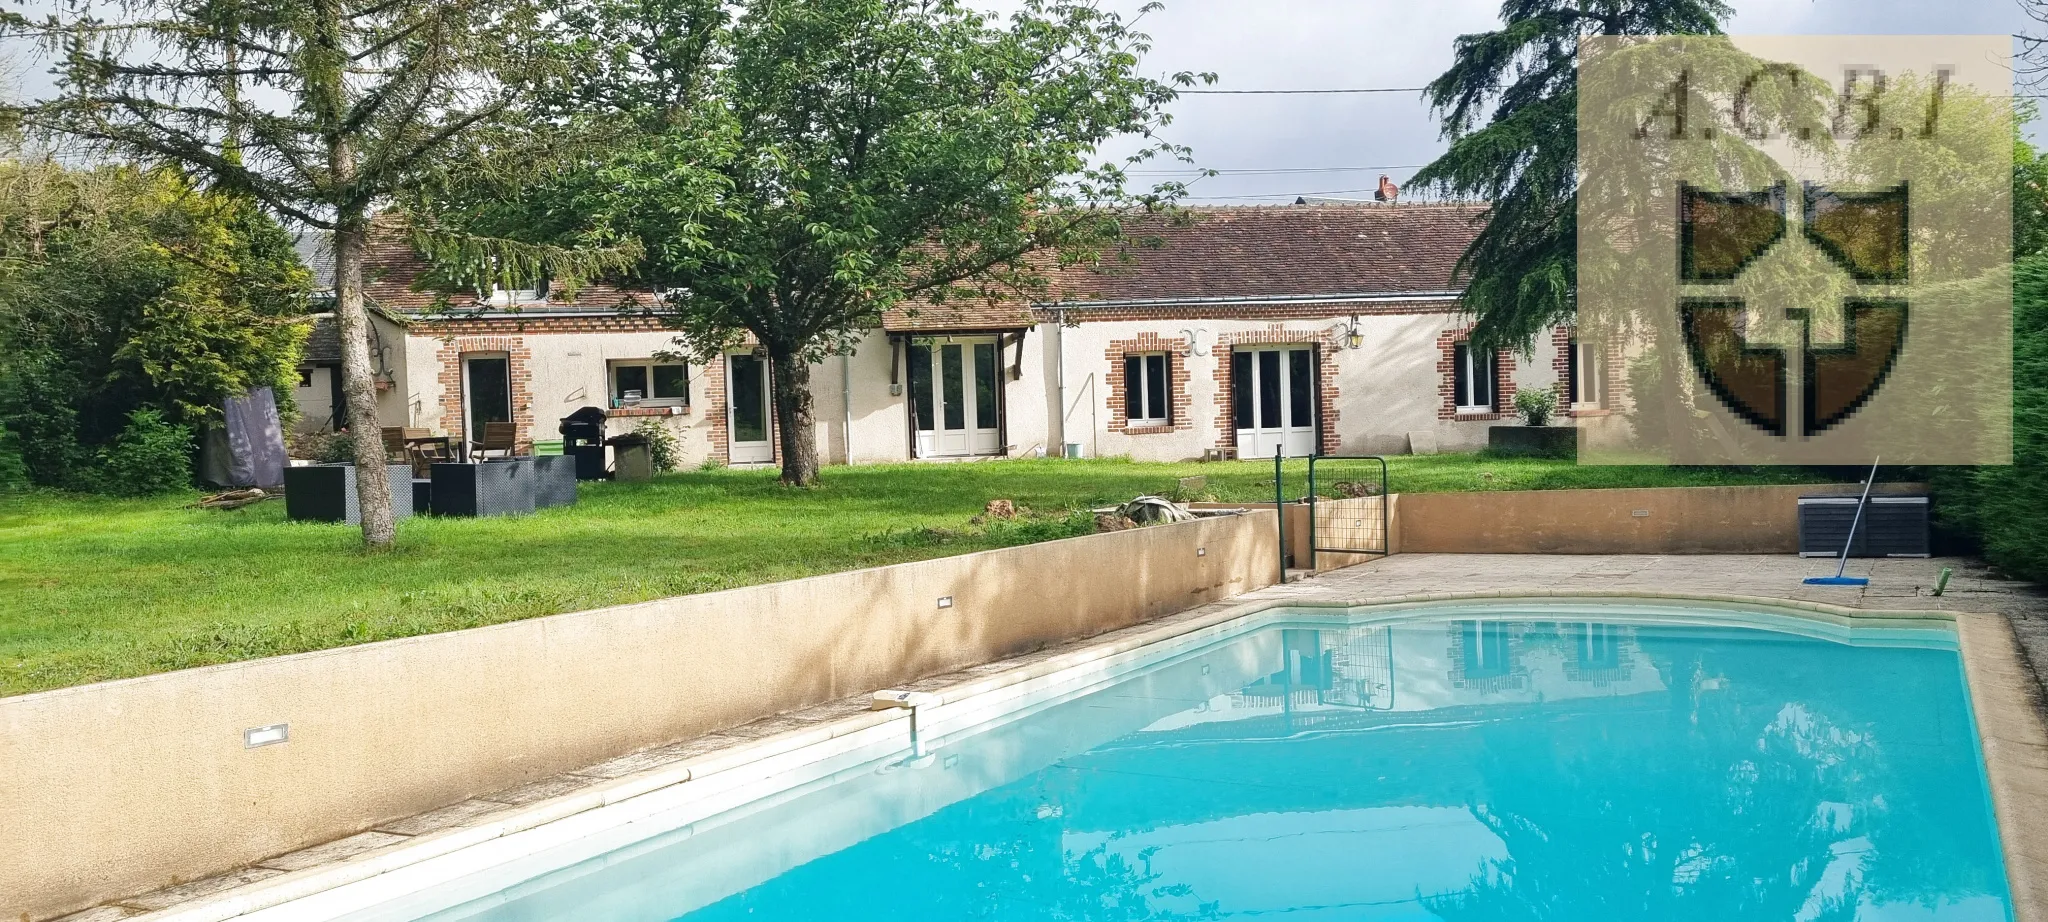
column 1308, row 44
column 1318, row 44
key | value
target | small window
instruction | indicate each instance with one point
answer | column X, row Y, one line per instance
column 1148, row 399
column 1587, row 386
column 649, row 383
column 305, row 377
column 1474, row 379
column 507, row 296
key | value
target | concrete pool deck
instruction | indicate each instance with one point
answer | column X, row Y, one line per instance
column 2003, row 626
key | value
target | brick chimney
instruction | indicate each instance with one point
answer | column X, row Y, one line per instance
column 1387, row 191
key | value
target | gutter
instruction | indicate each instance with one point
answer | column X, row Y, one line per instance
column 1395, row 297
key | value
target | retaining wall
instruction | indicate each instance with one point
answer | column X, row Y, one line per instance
column 1664, row 520
column 123, row 787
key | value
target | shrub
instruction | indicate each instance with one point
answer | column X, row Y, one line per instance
column 2006, row 508
column 664, row 449
column 150, row 456
column 1535, row 405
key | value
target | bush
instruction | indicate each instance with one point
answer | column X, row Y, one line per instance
column 1535, row 405
column 2006, row 508
column 664, row 449
column 150, row 456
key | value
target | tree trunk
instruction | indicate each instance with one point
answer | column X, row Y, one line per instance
column 358, row 386
column 796, row 423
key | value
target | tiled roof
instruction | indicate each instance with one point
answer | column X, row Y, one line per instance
column 1284, row 251
column 1211, row 254
column 317, row 253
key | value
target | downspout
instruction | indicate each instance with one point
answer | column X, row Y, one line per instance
column 846, row 403
column 1059, row 330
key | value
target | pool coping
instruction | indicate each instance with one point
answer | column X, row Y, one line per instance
column 2011, row 735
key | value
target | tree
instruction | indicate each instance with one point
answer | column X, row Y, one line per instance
column 124, row 289
column 800, row 168
column 317, row 109
column 1521, row 80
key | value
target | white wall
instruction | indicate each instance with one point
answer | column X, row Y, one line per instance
column 1386, row 389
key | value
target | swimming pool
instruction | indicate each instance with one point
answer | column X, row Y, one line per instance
column 1539, row 762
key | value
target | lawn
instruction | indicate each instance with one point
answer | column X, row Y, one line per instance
column 94, row 588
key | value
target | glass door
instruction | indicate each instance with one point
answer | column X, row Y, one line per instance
column 955, row 402
column 747, row 412
column 1273, row 397
column 486, row 393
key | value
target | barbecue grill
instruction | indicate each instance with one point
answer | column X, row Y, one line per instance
column 583, row 439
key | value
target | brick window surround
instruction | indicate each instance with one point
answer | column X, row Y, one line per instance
column 1613, row 375
column 1447, row 379
column 1324, row 341
column 1177, row 382
column 519, row 358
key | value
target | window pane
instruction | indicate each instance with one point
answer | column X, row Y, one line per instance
column 1241, row 388
column 1301, row 389
column 1269, row 390
column 949, row 376
column 629, row 378
column 749, row 399
column 1134, row 387
column 1461, row 373
column 1483, row 371
column 671, row 382
column 985, row 385
column 1575, row 393
column 1155, row 387
column 920, row 359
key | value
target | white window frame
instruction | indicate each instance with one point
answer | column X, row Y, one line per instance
column 1591, row 386
column 1471, row 368
column 611, row 382
column 1143, row 387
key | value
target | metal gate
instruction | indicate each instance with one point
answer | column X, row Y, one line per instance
column 1356, row 520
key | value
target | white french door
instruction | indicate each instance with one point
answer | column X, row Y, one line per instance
column 747, row 411
column 1273, row 397
column 954, row 400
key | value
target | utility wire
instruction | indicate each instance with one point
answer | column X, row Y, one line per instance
column 1308, row 92
column 1274, row 171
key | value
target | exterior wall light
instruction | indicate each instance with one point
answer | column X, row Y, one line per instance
column 1352, row 338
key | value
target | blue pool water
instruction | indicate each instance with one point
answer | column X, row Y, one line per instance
column 1460, row 770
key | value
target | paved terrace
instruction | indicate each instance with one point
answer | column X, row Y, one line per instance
column 1895, row 585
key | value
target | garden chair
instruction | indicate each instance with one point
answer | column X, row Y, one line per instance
column 394, row 444
column 426, row 450
column 498, row 437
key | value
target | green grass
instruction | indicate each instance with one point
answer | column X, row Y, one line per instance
column 94, row 588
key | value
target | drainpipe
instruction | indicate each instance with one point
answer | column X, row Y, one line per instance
column 846, row 403
column 1059, row 331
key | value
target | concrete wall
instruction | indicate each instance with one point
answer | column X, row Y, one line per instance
column 122, row 787
column 1675, row 520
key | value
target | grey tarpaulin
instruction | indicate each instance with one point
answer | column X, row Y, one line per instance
column 247, row 449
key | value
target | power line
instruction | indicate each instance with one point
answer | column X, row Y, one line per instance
column 1274, row 171
column 1309, row 92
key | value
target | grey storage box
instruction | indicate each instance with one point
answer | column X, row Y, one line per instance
column 487, row 488
column 554, row 481
column 1894, row 525
column 327, row 493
